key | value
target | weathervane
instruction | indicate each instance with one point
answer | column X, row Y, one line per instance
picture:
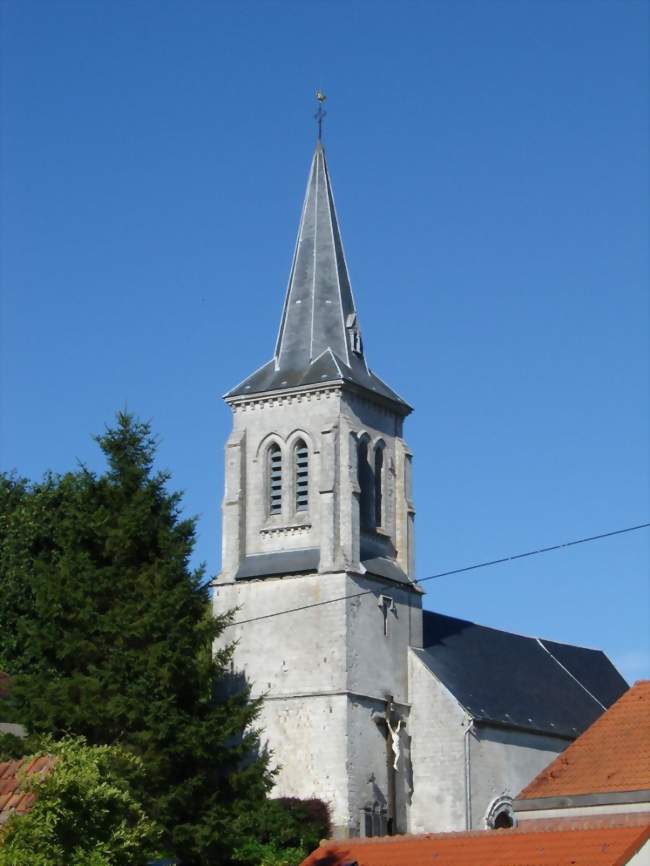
column 320, row 114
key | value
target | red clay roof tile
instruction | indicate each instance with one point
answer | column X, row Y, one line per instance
column 12, row 799
column 612, row 755
column 593, row 844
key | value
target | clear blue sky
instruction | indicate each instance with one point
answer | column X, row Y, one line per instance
column 490, row 168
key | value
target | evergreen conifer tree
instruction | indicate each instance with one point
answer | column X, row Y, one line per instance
column 108, row 633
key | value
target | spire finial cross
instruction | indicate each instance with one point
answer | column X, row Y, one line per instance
column 320, row 114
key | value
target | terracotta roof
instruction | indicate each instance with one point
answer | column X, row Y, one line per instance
column 613, row 755
column 12, row 799
column 4, row 684
column 592, row 843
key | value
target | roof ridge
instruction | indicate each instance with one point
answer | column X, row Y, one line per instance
column 572, row 675
column 517, row 633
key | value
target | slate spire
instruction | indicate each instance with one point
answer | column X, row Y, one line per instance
column 319, row 339
column 319, row 312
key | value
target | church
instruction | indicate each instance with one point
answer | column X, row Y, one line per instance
column 399, row 718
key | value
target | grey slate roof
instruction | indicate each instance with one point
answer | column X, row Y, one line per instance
column 319, row 339
column 284, row 562
column 516, row 681
column 383, row 566
column 306, row 560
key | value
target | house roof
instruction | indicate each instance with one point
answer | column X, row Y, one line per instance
column 319, row 339
column 612, row 756
column 12, row 799
column 586, row 843
column 521, row 682
column 4, row 684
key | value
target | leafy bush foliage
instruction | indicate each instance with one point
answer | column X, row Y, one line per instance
column 283, row 832
column 85, row 813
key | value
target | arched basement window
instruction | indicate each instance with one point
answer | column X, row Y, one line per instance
column 301, row 475
column 275, row 479
column 500, row 814
column 379, row 484
column 503, row 820
column 365, row 484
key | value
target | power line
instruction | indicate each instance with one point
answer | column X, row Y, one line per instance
column 536, row 552
column 477, row 565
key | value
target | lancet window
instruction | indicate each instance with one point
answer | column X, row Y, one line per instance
column 379, row 484
column 301, row 475
column 275, row 479
column 365, row 485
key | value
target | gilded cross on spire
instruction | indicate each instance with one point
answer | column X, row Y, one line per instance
column 320, row 114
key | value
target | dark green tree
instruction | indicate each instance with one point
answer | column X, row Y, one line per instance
column 108, row 634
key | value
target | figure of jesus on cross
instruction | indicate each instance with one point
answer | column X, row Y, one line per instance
column 394, row 736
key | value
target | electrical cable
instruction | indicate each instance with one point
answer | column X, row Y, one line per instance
column 466, row 568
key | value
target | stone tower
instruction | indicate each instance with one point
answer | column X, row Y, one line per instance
column 318, row 515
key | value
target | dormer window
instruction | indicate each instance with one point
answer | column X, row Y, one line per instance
column 354, row 334
column 301, row 475
column 275, row 479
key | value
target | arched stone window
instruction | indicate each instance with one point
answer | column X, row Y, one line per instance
column 500, row 814
column 365, row 485
column 274, row 498
column 503, row 820
column 301, row 475
column 379, row 484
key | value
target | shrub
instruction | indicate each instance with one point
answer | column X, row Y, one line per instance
column 85, row 812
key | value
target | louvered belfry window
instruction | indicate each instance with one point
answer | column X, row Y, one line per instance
column 379, row 485
column 301, row 464
column 275, row 479
column 365, row 485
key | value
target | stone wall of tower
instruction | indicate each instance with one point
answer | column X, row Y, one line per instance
column 394, row 539
column 326, row 671
column 331, row 422
column 258, row 424
column 298, row 662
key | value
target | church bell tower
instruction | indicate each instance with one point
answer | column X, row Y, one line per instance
column 318, row 545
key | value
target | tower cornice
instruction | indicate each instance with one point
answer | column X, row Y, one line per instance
column 306, row 393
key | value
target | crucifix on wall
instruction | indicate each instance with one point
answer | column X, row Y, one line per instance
column 385, row 604
column 394, row 736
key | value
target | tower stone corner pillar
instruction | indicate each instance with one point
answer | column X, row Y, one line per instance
column 233, row 505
